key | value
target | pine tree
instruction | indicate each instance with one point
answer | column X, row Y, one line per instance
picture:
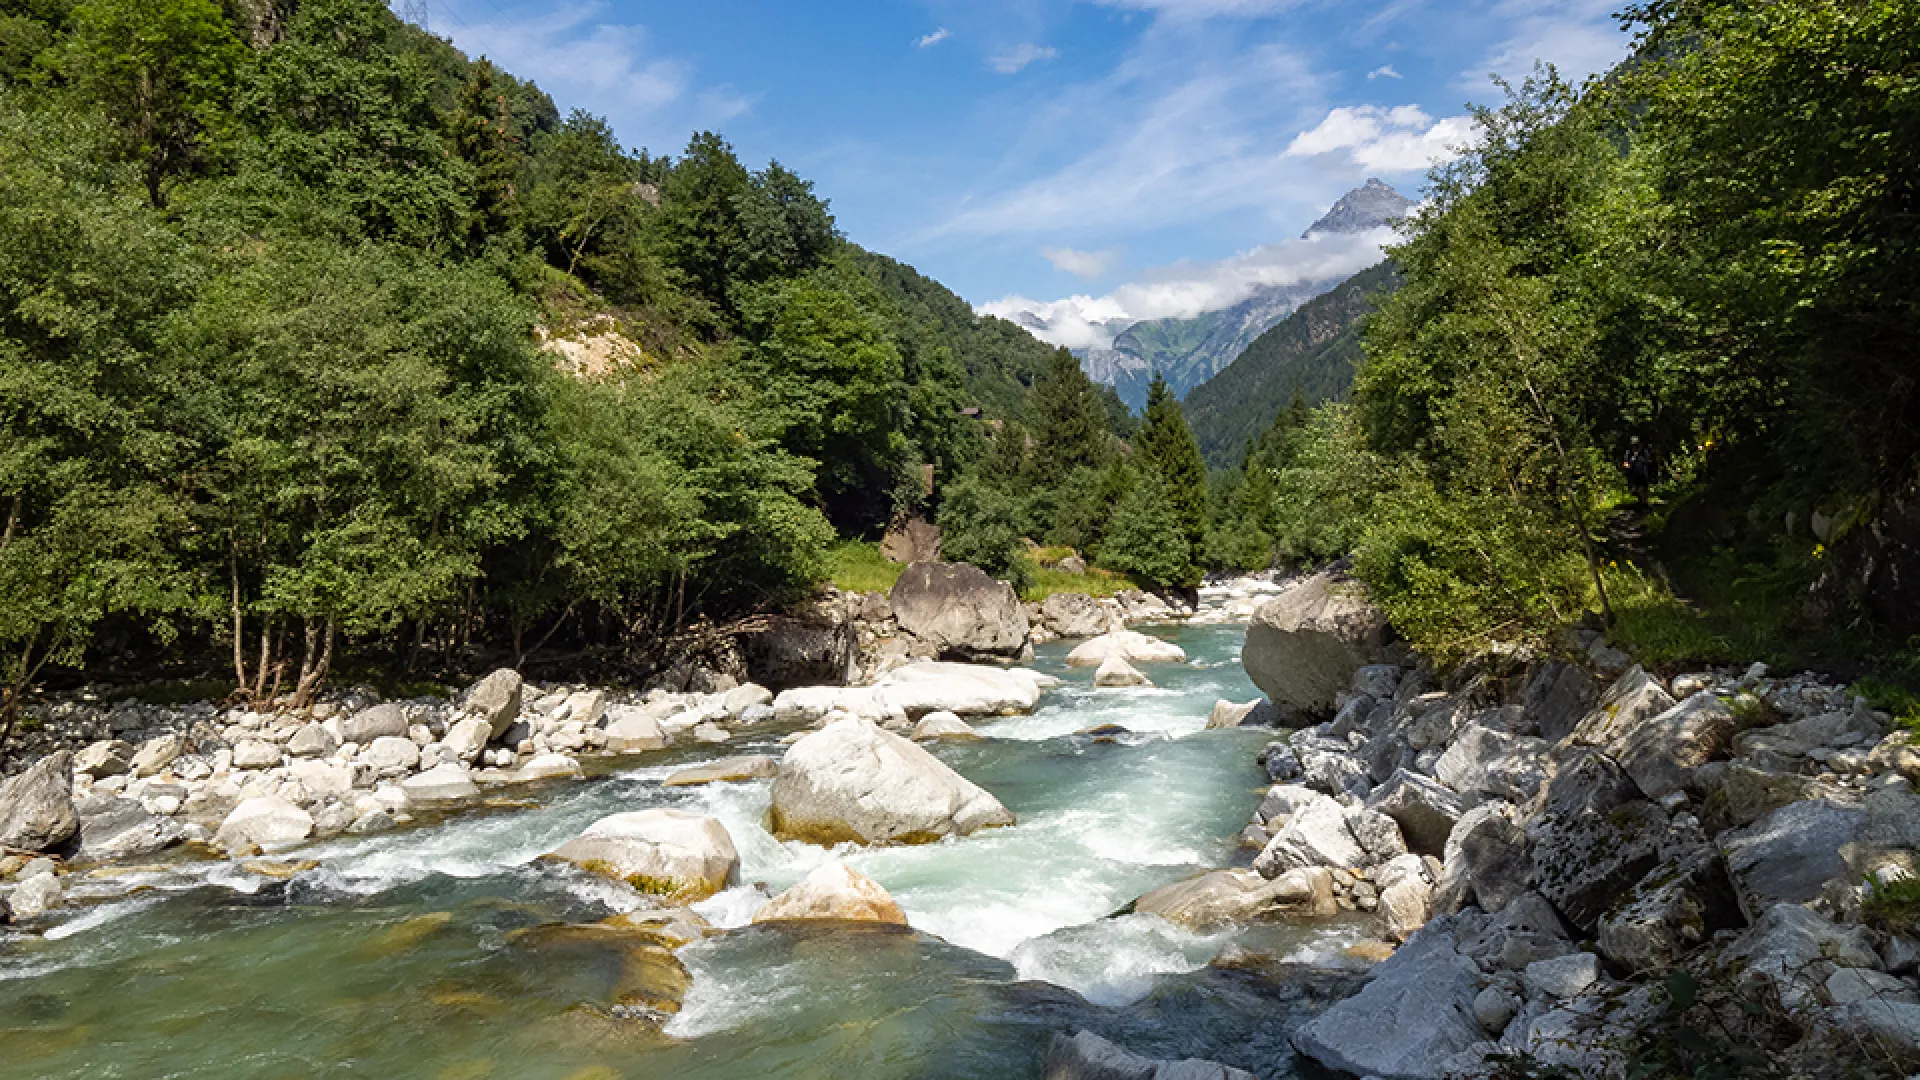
column 1070, row 424
column 1147, row 538
column 1168, row 446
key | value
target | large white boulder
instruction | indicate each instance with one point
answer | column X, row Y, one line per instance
column 36, row 807
column 444, row 782
column 961, row 689
column 956, row 608
column 834, row 891
column 266, row 822
column 1304, row 645
column 672, row 854
column 632, row 730
column 495, row 699
column 1130, row 646
column 852, row 780
column 1115, row 671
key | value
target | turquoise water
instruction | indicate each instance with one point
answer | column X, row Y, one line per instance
column 404, row 954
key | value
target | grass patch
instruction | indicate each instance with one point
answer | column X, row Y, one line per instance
column 1893, row 906
column 857, row 566
column 1659, row 628
column 1047, row 555
column 1095, row 582
column 1890, row 697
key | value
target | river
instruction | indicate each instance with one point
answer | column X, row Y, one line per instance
column 398, row 956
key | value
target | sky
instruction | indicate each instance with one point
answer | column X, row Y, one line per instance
column 1097, row 160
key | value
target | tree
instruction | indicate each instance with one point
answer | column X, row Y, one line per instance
column 984, row 526
column 161, row 71
column 1069, row 422
column 1168, row 447
column 1147, row 538
column 481, row 130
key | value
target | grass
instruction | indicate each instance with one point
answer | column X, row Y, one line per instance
column 857, row 566
column 1095, row 582
column 1893, row 906
column 1659, row 628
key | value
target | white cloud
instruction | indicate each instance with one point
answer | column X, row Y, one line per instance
column 1186, row 289
column 1086, row 264
column 934, row 38
column 1017, row 58
column 1384, row 140
column 1579, row 37
column 1201, row 9
column 1384, row 71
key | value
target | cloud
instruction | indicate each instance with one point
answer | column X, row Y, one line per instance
column 934, row 38
column 1086, row 264
column 1201, row 9
column 1580, row 37
column 1015, row 59
column 1186, row 289
column 1384, row 71
column 1379, row 139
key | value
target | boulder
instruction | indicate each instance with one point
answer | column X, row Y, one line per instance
column 1425, row 809
column 494, row 699
column 1562, row 976
column 1228, row 714
column 1797, row 951
column 1130, row 646
column 1304, row 645
column 36, row 806
column 799, row 651
column 1329, row 768
column 115, row 828
column 910, row 540
column 1483, row 762
column 632, row 730
column 157, row 754
column 834, row 891
column 323, row 779
column 390, row 755
column 444, row 782
column 1086, row 1056
column 1584, row 863
column 672, row 854
column 1413, row 1016
column 108, row 757
column 1074, row 615
column 746, row 696
column 1634, row 698
column 1735, row 793
column 549, row 766
column 1282, row 801
column 1226, row 897
column 36, row 896
column 1790, row 854
column 264, row 823
column 258, row 754
column 961, row 689
column 312, row 741
column 1556, row 697
column 725, row 770
column 1662, row 753
column 1486, row 859
column 1115, row 672
column 957, row 610
column 1315, row 835
column 1406, row 895
column 943, row 725
column 467, row 737
column 1677, row 906
column 852, row 780
column 369, row 724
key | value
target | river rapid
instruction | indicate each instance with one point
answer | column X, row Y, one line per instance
column 398, row 956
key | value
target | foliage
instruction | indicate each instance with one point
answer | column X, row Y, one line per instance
column 858, row 566
column 1147, row 538
column 1095, row 582
column 1070, row 429
column 1167, row 447
column 980, row 524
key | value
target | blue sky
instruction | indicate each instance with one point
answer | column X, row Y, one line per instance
column 1136, row 156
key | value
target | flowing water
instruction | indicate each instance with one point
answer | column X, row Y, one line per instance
column 399, row 955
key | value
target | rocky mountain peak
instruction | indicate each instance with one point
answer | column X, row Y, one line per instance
column 1368, row 206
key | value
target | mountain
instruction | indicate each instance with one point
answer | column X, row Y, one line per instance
column 1312, row 352
column 1188, row 352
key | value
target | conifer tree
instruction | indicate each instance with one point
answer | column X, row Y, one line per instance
column 1168, row 446
column 1147, row 538
column 1070, row 424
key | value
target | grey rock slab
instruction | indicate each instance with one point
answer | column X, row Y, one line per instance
column 495, row 699
column 1227, row 897
column 1790, row 854
column 107, row 757
column 1562, row 976
column 369, row 724
column 115, row 828
column 1676, row 907
column 1662, row 752
column 1086, row 1056
column 1486, row 859
column 1424, row 808
column 1584, row 863
column 1414, row 1014
column 36, row 806
column 157, row 753
column 1633, row 699
column 852, row 780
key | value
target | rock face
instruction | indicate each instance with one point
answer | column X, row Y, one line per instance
column 1086, row 1056
column 1415, row 1014
column 1304, row 645
column 266, row 822
column 1225, row 897
column 1130, row 646
column 957, row 610
column 36, row 807
column 834, row 891
column 851, row 780
column 672, row 854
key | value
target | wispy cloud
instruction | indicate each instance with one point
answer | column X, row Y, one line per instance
column 1017, row 58
column 1203, row 8
column 935, row 38
column 1086, row 264
column 1384, row 140
column 1579, row 37
column 1384, row 71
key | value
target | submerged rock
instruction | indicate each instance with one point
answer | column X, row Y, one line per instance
column 851, row 780
column 1224, row 897
column 672, row 854
column 834, row 891
column 1086, row 1056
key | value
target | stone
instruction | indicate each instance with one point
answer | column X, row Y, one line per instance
column 851, row 780
column 1115, row 672
column 494, row 699
column 1228, row 714
column 1795, row 949
column 743, row 697
column 957, row 610
column 1736, row 794
column 324, row 779
column 961, row 689
column 1303, row 646
column 391, row 755
column 1588, row 783
column 1584, row 863
column 157, row 753
column 108, row 757
column 1483, row 762
column 1376, row 834
column 1486, row 858
column 369, row 724
column 444, row 782
column 710, row 733
column 1789, row 855
column 257, row 754
column 1678, row 905
column 1406, row 905
column 1662, row 753
column 1333, row 771
column 1377, row 681
column 114, row 828
column 312, row 741
column 1074, row 615
column 1412, row 1017
column 1556, row 697
column 1634, row 698
column 1129, row 646
column 671, row 854
column 36, row 806
column 265, row 823
column 1282, row 801
column 1850, row 984
column 1894, row 1024
column 943, row 725
column 1494, row 1009
column 1086, row 1056
column 633, row 730
column 549, row 766
column 1562, row 976
column 1315, row 835
column 36, row 896
column 834, row 891
column 467, row 737
column 1425, row 809
column 725, row 770
column 1229, row 897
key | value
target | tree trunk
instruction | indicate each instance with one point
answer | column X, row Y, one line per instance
column 239, row 622
column 318, row 657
